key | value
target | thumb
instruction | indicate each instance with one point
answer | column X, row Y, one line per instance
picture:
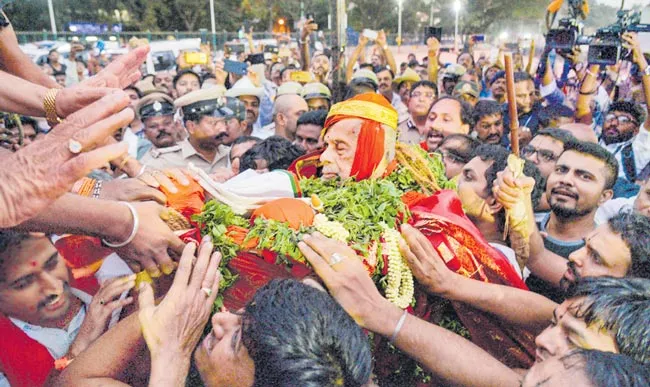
column 145, row 296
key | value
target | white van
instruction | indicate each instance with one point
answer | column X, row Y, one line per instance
column 163, row 53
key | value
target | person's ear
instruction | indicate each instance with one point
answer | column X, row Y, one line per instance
column 605, row 196
column 493, row 206
column 464, row 128
column 282, row 120
column 190, row 126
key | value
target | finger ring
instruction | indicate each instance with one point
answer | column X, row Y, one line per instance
column 336, row 258
column 74, row 146
column 101, row 301
column 207, row 291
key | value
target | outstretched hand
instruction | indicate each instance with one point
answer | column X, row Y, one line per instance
column 41, row 172
column 121, row 73
column 175, row 325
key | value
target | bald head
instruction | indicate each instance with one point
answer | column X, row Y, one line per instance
column 286, row 111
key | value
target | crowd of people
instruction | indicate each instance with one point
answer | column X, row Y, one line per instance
column 546, row 266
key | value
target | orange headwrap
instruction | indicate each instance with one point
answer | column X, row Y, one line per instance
column 375, row 111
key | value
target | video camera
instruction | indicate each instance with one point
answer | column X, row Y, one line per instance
column 606, row 47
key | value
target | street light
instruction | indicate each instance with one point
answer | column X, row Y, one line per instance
column 52, row 21
column 457, row 9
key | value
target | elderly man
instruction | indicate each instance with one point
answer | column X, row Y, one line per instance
column 204, row 114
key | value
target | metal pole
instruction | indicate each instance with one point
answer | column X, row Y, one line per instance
column 302, row 10
column 214, row 27
column 399, row 24
column 338, row 45
column 52, row 21
column 431, row 14
column 457, row 9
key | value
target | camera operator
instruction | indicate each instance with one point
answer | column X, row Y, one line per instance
column 625, row 129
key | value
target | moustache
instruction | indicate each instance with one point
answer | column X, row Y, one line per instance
column 163, row 134
column 564, row 191
column 48, row 300
column 571, row 266
column 221, row 136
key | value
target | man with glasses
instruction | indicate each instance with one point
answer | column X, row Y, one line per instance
column 422, row 95
column 624, row 137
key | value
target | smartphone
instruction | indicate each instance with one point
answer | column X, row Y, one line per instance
column 196, row 58
column 255, row 58
column 478, row 38
column 370, row 34
column 301, row 76
column 235, row 67
column 432, row 32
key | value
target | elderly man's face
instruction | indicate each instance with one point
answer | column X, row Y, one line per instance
column 341, row 145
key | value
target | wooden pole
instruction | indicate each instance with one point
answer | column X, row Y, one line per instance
column 512, row 105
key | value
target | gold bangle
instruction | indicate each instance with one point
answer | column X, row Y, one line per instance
column 49, row 105
column 123, row 163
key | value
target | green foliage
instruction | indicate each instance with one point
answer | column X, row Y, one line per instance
column 360, row 206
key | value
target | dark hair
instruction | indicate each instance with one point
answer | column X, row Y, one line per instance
column 378, row 69
column 601, row 154
column 9, row 239
column 299, row 336
column 207, row 76
column 278, row 152
column 316, row 117
column 521, row 76
column 367, row 66
column 554, row 111
column 466, row 152
column 608, row 369
column 470, row 55
column 622, row 307
column 137, row 91
column 629, row 107
column 359, row 86
column 178, row 76
column 564, row 136
column 245, row 139
column 634, row 229
column 414, row 63
column 424, row 83
column 288, row 68
column 499, row 74
column 499, row 157
column 465, row 109
column 484, row 108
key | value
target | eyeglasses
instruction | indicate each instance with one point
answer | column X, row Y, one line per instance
column 620, row 119
column 545, row 155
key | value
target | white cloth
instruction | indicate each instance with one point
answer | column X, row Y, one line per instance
column 512, row 258
column 132, row 141
column 640, row 146
column 263, row 132
column 611, row 208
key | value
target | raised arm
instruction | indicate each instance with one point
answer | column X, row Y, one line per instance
column 383, row 46
column 588, row 88
column 632, row 43
column 433, row 347
column 363, row 41
column 16, row 62
column 433, row 46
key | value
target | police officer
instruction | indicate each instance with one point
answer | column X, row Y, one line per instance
column 204, row 115
column 235, row 122
column 156, row 110
column 317, row 95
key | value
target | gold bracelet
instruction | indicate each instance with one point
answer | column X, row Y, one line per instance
column 49, row 104
column 123, row 163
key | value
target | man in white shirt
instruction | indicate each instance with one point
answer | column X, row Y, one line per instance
column 639, row 203
column 36, row 296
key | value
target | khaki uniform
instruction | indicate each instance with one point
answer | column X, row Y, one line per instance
column 179, row 156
